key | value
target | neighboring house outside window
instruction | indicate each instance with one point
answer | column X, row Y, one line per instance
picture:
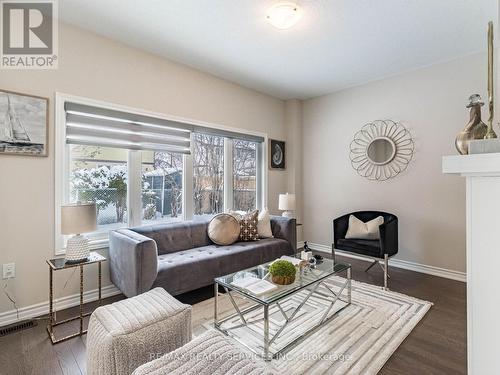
column 162, row 187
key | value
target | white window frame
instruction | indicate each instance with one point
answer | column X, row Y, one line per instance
column 62, row 163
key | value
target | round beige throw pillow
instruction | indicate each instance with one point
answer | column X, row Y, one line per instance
column 224, row 229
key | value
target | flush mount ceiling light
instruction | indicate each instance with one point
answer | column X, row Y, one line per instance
column 284, row 15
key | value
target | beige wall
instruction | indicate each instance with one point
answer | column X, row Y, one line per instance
column 98, row 68
column 293, row 119
column 431, row 206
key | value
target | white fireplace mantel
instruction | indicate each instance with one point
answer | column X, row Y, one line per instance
column 482, row 173
column 472, row 165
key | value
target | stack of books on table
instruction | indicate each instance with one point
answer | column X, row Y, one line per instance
column 255, row 285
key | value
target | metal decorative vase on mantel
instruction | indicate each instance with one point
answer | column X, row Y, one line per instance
column 475, row 128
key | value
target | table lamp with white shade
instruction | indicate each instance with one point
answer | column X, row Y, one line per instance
column 287, row 204
column 78, row 218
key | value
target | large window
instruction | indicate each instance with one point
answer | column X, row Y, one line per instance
column 143, row 170
column 208, row 174
column 244, row 175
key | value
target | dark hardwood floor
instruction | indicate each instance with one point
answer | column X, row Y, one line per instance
column 436, row 346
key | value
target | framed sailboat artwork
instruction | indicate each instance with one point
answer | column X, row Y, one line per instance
column 23, row 124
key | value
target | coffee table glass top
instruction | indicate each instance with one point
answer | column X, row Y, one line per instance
column 303, row 279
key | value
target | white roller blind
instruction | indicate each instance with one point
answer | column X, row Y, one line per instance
column 95, row 126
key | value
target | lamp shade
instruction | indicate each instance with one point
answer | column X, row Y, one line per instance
column 78, row 218
column 287, row 202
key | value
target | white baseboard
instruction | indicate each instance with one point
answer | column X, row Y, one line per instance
column 42, row 308
column 398, row 263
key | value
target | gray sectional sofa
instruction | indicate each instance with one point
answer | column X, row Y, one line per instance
column 180, row 257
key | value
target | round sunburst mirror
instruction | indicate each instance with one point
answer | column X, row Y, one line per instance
column 381, row 150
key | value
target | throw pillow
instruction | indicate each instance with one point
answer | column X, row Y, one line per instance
column 248, row 226
column 224, row 229
column 264, row 224
column 364, row 231
column 237, row 214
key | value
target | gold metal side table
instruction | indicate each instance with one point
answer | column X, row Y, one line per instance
column 61, row 264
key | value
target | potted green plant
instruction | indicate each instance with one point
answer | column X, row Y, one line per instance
column 282, row 272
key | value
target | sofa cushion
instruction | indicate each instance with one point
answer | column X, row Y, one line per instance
column 369, row 230
column 224, row 229
column 363, row 247
column 191, row 269
column 264, row 224
column 174, row 237
column 249, row 226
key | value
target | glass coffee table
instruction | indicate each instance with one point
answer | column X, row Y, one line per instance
column 281, row 318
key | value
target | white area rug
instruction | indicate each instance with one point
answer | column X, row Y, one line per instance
column 359, row 340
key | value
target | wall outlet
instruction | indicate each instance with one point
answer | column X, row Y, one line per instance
column 9, row 270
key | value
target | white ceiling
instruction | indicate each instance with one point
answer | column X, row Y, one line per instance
column 336, row 44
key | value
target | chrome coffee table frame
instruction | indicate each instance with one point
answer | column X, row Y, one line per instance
column 312, row 288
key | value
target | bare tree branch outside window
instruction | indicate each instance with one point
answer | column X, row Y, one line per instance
column 244, row 175
column 208, row 174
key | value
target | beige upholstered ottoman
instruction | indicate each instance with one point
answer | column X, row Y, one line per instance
column 208, row 354
column 126, row 334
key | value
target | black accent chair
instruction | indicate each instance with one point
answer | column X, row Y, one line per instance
column 381, row 249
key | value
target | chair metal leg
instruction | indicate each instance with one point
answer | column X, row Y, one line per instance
column 371, row 265
column 386, row 270
column 333, row 253
column 383, row 269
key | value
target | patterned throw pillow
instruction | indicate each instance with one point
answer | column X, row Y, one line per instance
column 248, row 226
